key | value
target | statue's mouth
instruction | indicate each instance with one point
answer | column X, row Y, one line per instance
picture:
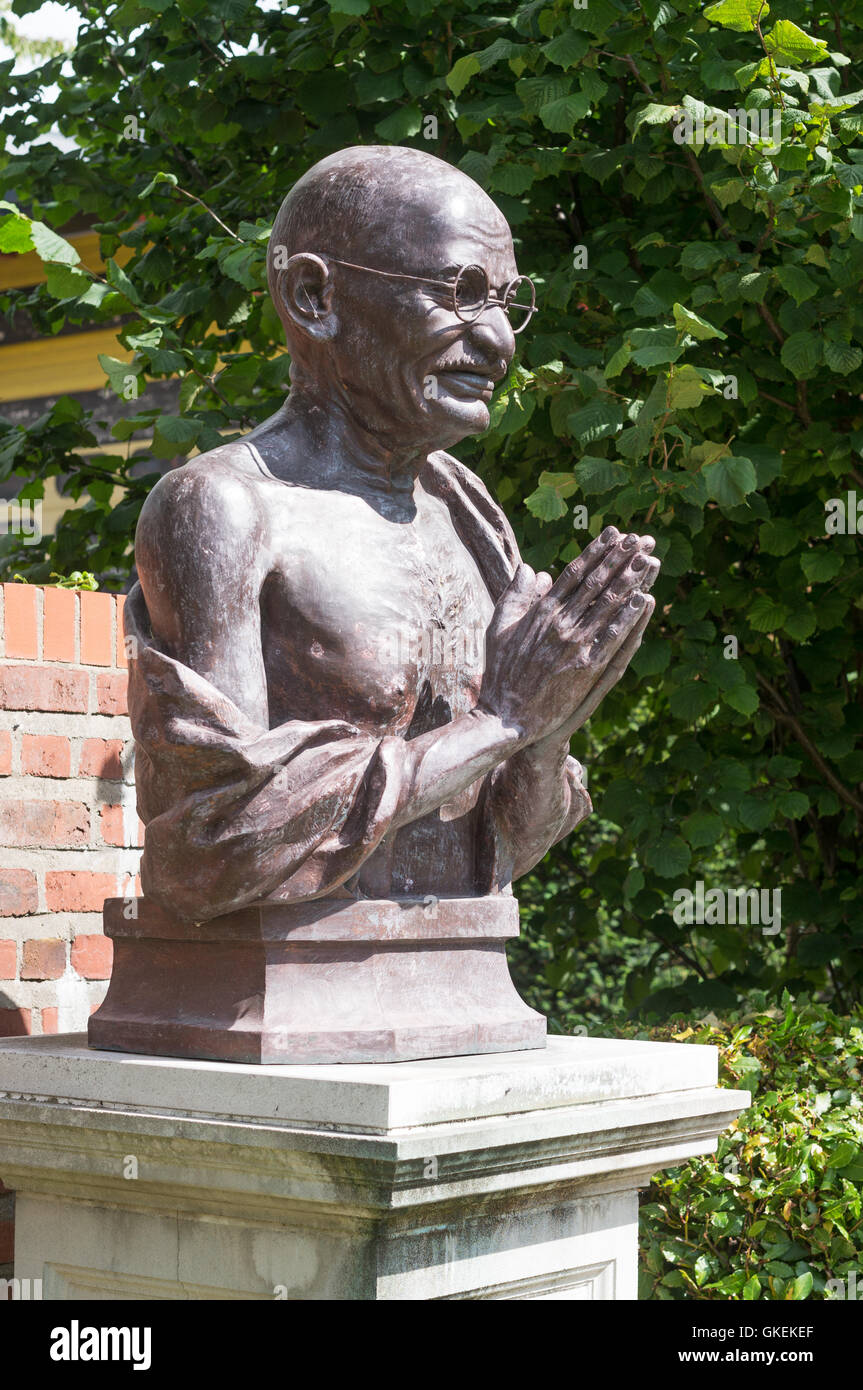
column 468, row 385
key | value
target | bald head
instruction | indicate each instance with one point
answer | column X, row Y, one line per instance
column 390, row 349
column 385, row 205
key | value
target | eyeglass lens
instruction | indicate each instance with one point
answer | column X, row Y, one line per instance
column 471, row 295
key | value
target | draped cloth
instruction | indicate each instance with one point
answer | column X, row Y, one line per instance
column 235, row 812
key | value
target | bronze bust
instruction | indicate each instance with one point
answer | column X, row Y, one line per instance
column 352, row 702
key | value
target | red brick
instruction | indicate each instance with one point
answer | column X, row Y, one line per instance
column 58, row 638
column 14, row 1023
column 43, row 960
column 97, row 638
column 22, row 620
column 93, row 956
column 8, row 959
column 18, row 892
column 78, row 890
column 5, row 752
column 44, row 687
column 111, row 818
column 46, row 755
column 111, row 694
column 140, row 834
column 100, row 757
column 7, row 1242
column 44, row 824
column 121, row 648
column 49, row 1020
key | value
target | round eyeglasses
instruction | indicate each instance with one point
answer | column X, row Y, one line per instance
column 471, row 293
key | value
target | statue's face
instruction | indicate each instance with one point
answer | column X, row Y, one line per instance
column 405, row 363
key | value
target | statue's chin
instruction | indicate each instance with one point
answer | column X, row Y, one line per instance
column 459, row 417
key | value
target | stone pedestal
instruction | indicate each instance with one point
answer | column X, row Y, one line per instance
column 336, row 980
column 506, row 1176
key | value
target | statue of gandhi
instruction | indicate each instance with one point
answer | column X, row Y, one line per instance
column 345, row 685
column 318, row 587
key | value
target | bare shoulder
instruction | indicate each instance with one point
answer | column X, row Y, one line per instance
column 209, row 509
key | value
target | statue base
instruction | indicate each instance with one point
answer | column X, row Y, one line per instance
column 508, row 1177
column 334, row 980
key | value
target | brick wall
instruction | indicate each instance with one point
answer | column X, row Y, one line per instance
column 69, row 832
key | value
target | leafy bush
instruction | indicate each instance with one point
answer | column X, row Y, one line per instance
column 695, row 372
column 776, row 1213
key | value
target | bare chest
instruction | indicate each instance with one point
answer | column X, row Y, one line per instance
column 378, row 619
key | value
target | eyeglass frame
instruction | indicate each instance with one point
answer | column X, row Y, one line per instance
column 490, row 301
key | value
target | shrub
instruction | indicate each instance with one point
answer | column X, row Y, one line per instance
column 776, row 1212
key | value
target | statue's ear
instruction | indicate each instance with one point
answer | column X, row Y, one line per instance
column 304, row 293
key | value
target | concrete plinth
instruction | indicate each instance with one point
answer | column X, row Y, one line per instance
column 513, row 1175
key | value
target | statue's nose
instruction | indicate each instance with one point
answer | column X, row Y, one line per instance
column 492, row 333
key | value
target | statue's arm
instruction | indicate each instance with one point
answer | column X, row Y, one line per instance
column 201, row 566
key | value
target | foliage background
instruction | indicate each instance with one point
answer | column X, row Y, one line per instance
column 704, row 263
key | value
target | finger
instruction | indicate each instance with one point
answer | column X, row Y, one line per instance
column 592, row 555
column 599, row 576
column 544, row 583
column 515, row 600
column 645, row 568
column 614, row 670
column 611, row 637
column 610, row 585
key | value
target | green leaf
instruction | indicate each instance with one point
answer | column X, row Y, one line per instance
column 729, row 480
column 743, row 698
column 820, row 564
column 669, row 857
column 461, row 72
column 561, row 115
column 802, row 1287
column 597, row 475
column 51, row 247
column 843, row 1154
column 686, row 321
column 161, row 177
column 801, row 625
column 796, row 282
column 119, row 374
column 15, row 234
column 401, row 125
column 767, row 614
column 792, row 804
column 740, row 15
column 686, row 389
column 563, row 483
column 66, row 281
column 546, row 503
column 692, row 701
column 842, row 358
column 779, row 536
column 567, row 49
column 599, row 419
column 790, row 46
column 703, row 828
column 652, row 114
column 801, row 353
